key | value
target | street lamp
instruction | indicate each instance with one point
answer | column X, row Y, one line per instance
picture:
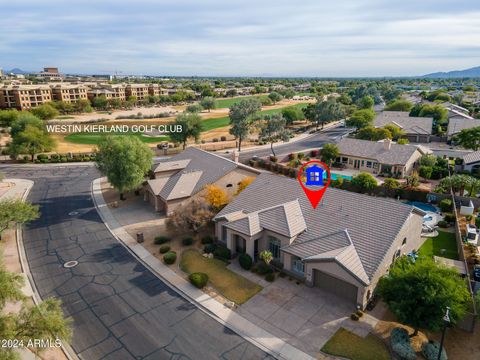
column 446, row 322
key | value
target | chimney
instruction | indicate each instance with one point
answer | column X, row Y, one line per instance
column 387, row 144
column 235, row 156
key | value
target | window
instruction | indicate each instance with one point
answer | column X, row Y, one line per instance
column 344, row 160
column 274, row 246
column 363, row 163
column 369, row 164
column 298, row 266
column 404, row 242
column 224, row 233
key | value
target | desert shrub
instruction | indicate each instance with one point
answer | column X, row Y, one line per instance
column 215, row 139
column 442, row 224
column 270, row 277
column 159, row 240
column 198, row 279
column 354, row 317
column 209, row 248
column 207, row 240
column 446, row 205
column 359, row 313
column 430, row 351
column 245, row 261
column 223, row 253
column 170, row 257
column 401, row 345
column 164, row 249
column 449, row 218
column 223, row 138
column 187, row 241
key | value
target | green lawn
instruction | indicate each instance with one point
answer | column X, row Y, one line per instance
column 348, row 345
column 228, row 283
column 433, row 246
column 94, row 138
column 226, row 103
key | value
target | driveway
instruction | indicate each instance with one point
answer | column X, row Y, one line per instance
column 304, row 317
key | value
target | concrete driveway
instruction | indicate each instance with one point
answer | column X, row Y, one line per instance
column 302, row 316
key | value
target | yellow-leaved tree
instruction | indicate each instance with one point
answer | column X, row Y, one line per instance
column 216, row 197
column 244, row 183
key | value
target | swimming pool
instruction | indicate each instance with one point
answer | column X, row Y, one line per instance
column 423, row 206
column 334, row 176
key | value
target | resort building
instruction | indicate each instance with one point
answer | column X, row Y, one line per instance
column 417, row 129
column 156, row 90
column 185, row 175
column 24, row 97
column 140, row 91
column 110, row 91
column 69, row 92
column 383, row 157
column 343, row 246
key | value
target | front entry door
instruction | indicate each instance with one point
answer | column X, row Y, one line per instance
column 255, row 250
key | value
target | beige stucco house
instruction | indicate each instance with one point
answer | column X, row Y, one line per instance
column 185, row 175
column 416, row 129
column 384, row 157
column 343, row 246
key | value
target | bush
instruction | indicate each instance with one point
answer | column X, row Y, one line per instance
column 54, row 156
column 292, row 156
column 222, row 253
column 442, row 224
column 170, row 257
column 262, row 268
column 430, row 351
column 446, row 205
column 42, row 157
column 187, row 241
column 401, row 345
column 270, row 277
column 164, row 249
column 223, row 138
column 209, row 248
column 215, row 139
column 245, row 261
column 449, row 218
column 359, row 313
column 468, row 217
column 477, row 221
column 354, row 317
column 198, row 279
column 159, row 240
column 273, row 159
column 207, row 240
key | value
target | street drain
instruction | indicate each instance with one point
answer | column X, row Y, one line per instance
column 70, row 264
column 73, row 213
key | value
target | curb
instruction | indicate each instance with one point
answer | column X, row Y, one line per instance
column 66, row 348
column 280, row 352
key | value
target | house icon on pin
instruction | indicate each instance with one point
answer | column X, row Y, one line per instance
column 314, row 175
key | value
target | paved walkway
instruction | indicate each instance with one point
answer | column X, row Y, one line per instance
column 251, row 332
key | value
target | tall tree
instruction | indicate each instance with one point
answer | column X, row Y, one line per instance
column 241, row 116
column 329, row 153
column 124, row 160
column 399, row 105
column 469, row 138
column 24, row 119
column 365, row 182
column 45, row 112
column 366, row 102
column 418, row 293
column 273, row 129
column 208, row 103
column 16, row 212
column 361, row 118
column 275, row 97
column 328, row 111
column 192, row 127
column 31, row 141
column 8, row 117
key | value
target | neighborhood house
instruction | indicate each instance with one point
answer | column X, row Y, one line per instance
column 379, row 157
column 185, row 175
column 343, row 246
column 417, row 129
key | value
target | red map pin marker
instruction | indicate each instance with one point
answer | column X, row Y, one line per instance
column 314, row 171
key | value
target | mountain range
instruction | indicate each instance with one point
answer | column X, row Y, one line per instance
column 472, row 72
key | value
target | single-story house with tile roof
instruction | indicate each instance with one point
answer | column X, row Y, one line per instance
column 185, row 175
column 417, row 129
column 455, row 125
column 383, row 157
column 471, row 162
column 343, row 246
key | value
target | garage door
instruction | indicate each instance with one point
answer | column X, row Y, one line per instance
column 336, row 286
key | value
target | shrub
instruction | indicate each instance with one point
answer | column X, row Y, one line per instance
column 42, row 157
column 292, row 156
column 54, row 156
column 401, row 345
column 477, row 221
column 26, row 158
column 198, row 279
column 301, row 156
column 209, row 248
column 359, row 313
column 164, row 249
column 270, row 277
column 170, row 257
column 159, row 240
column 468, row 217
column 449, row 218
column 187, row 241
column 314, row 153
column 430, row 351
column 273, row 159
column 442, row 224
column 262, row 268
column 354, row 317
column 223, row 138
column 223, row 253
column 207, row 239
column 446, row 205
column 245, row 261
column 215, row 139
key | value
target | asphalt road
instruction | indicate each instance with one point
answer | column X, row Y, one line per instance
column 120, row 310
column 313, row 141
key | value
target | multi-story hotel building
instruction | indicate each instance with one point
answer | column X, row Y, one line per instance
column 69, row 92
column 140, row 91
column 24, row 97
column 110, row 91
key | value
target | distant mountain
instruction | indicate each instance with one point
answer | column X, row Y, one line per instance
column 472, row 72
column 16, row 71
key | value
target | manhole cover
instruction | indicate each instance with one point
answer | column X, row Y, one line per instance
column 70, row 264
column 73, row 213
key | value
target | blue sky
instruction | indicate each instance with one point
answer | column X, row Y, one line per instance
column 247, row 37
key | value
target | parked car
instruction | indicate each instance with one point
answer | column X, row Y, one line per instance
column 476, row 273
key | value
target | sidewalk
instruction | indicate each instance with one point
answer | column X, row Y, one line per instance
column 249, row 331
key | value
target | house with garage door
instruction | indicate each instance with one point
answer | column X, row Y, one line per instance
column 471, row 162
column 343, row 246
column 185, row 175
column 417, row 129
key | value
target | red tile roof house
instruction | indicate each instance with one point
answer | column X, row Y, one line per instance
column 344, row 246
column 185, row 175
